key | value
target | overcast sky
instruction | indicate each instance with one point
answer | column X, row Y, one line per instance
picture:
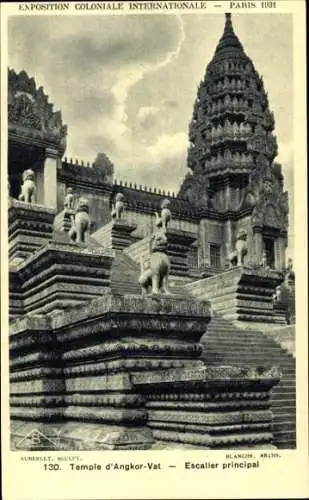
column 126, row 85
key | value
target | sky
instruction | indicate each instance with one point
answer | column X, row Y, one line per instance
column 126, row 84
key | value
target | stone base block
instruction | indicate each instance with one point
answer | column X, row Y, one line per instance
column 59, row 276
column 241, row 294
column 63, row 220
column 115, row 234
column 30, row 227
column 179, row 245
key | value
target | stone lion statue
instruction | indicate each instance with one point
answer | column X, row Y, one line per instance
column 28, row 188
column 118, row 206
column 154, row 279
column 79, row 233
column 69, row 198
column 236, row 256
column 165, row 217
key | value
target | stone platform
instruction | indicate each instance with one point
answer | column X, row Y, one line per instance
column 124, row 371
column 76, row 366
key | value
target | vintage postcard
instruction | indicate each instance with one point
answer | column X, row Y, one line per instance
column 154, row 252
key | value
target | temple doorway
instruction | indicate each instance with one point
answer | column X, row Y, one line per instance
column 20, row 158
column 269, row 248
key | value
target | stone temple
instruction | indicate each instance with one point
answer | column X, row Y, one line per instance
column 141, row 319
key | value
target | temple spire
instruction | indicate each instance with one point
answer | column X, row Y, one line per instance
column 228, row 40
column 231, row 131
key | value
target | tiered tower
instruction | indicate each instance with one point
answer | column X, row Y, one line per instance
column 232, row 151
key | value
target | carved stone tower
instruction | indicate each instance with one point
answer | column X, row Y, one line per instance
column 234, row 179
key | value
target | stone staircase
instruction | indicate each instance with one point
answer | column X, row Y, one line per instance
column 284, row 336
column 226, row 344
column 125, row 274
column 139, row 250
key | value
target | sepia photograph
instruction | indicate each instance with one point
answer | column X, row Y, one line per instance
column 150, row 170
column 151, row 282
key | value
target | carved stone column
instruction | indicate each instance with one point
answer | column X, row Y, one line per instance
column 203, row 256
column 282, row 243
column 257, row 245
column 50, row 178
column 228, row 241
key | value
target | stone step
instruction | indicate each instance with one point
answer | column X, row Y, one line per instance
column 239, row 337
column 124, row 285
column 250, row 353
column 232, row 350
column 284, row 426
column 288, row 403
column 288, row 382
column 284, row 437
column 286, row 408
column 285, row 386
column 289, row 371
column 276, row 391
column 284, row 392
column 286, row 417
column 243, row 349
column 287, row 423
column 286, row 444
column 241, row 346
column 247, row 361
column 290, row 434
column 215, row 358
column 218, row 348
